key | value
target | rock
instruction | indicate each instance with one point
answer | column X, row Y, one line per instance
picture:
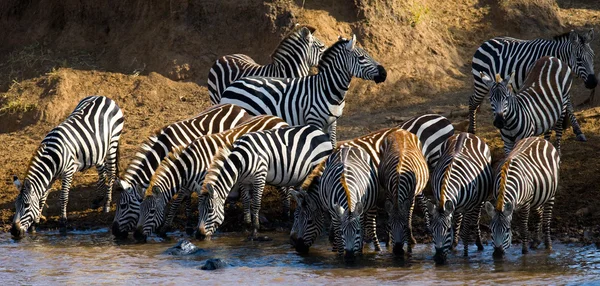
column 214, row 264
column 582, row 212
column 183, row 247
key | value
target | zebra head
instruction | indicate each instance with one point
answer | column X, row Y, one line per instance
column 500, row 227
column 211, row 211
column 351, row 233
column 128, row 208
column 151, row 215
column 300, row 46
column 441, row 229
column 358, row 62
column 27, row 207
column 398, row 224
column 309, row 220
column 500, row 94
column 581, row 58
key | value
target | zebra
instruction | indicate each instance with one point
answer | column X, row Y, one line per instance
column 349, row 188
column 88, row 137
column 461, row 182
column 432, row 129
column 404, row 173
column 139, row 172
column 504, row 55
column 296, row 54
column 183, row 171
column 317, row 99
column 539, row 107
column 526, row 180
column 279, row 157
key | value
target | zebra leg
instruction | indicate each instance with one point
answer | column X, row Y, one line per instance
column 371, row 228
column 285, row 195
column 546, row 217
column 338, row 243
column 111, row 176
column 246, row 201
column 559, row 130
column 537, row 225
column 172, row 212
column 67, row 179
column 477, row 229
column 458, row 217
column 257, row 192
column 474, row 102
column 525, row 231
column 332, row 133
column 576, row 128
column 547, row 135
column 189, row 225
column 409, row 235
column 423, row 204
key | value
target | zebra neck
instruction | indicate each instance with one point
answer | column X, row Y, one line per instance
column 332, row 86
column 289, row 66
column 226, row 176
column 560, row 48
column 44, row 169
column 169, row 178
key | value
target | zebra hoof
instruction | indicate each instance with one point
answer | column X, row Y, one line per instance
column 581, row 138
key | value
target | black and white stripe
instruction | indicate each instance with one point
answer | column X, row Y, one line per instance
column 527, row 181
column 183, row 172
column 503, row 55
column 295, row 55
column 461, row 182
column 280, row 157
column 539, row 107
column 88, row 137
column 314, row 100
column 137, row 177
column 403, row 173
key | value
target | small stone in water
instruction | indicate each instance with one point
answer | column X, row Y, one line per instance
column 214, row 263
column 183, row 247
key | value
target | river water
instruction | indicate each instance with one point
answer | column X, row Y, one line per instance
column 93, row 257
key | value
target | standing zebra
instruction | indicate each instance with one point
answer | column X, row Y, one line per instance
column 88, row 137
column 504, row 55
column 432, row 129
column 296, row 54
column 216, row 119
column 348, row 191
column 183, row 172
column 540, row 106
column 460, row 182
column 317, row 99
column 404, row 173
column 527, row 180
column 280, row 157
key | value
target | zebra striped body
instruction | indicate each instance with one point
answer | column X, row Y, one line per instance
column 461, row 182
column 295, row 55
column 184, row 171
column 504, row 55
column 526, row 181
column 540, row 106
column 88, row 137
column 280, row 157
column 403, row 173
column 432, row 129
column 348, row 191
column 141, row 169
column 314, row 100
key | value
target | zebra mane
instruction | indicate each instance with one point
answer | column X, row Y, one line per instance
column 36, row 153
column 330, row 52
column 219, row 159
column 346, row 190
column 316, row 172
column 294, row 32
column 444, row 184
column 164, row 164
column 398, row 144
column 502, row 191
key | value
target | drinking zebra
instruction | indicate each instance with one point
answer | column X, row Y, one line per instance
column 527, row 181
column 432, row 129
column 296, row 54
column 403, row 173
column 461, row 182
column 539, row 106
column 348, row 191
column 216, row 119
column 317, row 99
column 504, row 55
column 280, row 157
column 183, row 171
column 88, row 137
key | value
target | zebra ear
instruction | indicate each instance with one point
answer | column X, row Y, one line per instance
column 589, row 36
column 449, row 207
column 26, row 185
column 509, row 78
column 431, row 208
column 489, row 209
column 210, row 190
column 17, row 183
column 350, row 45
column 508, row 209
column 155, row 190
column 389, row 206
column 573, row 37
column 306, row 33
column 486, row 79
column 358, row 209
column 339, row 210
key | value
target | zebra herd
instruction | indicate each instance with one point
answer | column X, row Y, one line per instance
column 276, row 125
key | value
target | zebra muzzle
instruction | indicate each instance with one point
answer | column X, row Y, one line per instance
column 117, row 233
column 398, row 249
column 499, row 121
column 498, row 252
column 16, row 230
column 381, row 74
column 301, row 246
column 139, row 235
column 591, row 81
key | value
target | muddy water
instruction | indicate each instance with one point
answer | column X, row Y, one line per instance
column 93, row 257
